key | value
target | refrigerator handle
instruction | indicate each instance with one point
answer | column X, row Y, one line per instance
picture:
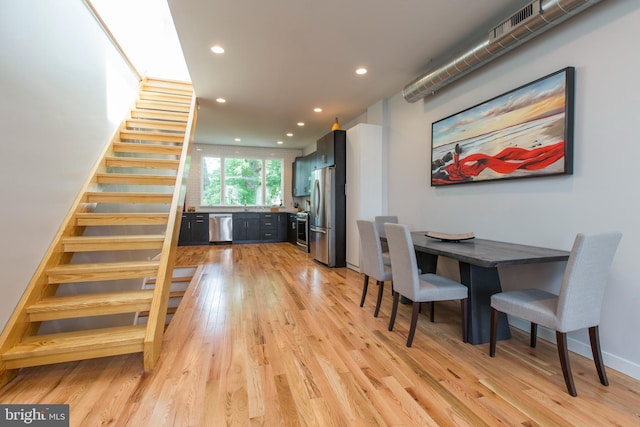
column 316, row 198
column 317, row 230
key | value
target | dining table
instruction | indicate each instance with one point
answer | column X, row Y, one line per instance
column 478, row 261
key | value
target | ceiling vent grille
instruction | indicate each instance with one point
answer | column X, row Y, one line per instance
column 515, row 20
column 527, row 23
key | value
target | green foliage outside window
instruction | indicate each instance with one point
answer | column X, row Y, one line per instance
column 242, row 181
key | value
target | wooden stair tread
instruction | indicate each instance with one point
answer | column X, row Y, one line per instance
column 77, row 345
column 75, row 273
column 112, row 243
column 135, row 179
column 155, row 95
column 65, row 307
column 127, row 197
column 139, row 135
column 107, row 219
column 142, row 163
column 147, row 148
column 171, row 86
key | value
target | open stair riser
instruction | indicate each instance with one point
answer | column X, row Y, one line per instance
column 138, row 148
column 134, row 135
column 159, row 125
column 150, row 95
column 142, row 163
column 118, row 219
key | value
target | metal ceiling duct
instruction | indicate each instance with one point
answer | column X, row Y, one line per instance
column 530, row 21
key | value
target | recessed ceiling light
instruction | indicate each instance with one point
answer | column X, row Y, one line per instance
column 300, row 123
column 237, row 140
column 221, row 100
column 280, row 142
column 318, row 110
column 289, row 134
column 217, row 49
column 361, row 71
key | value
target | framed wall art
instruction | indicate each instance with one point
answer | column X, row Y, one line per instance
column 524, row 133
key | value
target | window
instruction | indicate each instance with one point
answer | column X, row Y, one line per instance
column 237, row 182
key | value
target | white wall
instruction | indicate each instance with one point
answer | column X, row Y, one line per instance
column 63, row 91
column 601, row 194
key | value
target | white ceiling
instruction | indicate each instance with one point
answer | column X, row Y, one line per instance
column 285, row 57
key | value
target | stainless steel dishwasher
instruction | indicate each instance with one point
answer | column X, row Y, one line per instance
column 220, row 228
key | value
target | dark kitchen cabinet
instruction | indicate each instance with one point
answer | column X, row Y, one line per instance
column 273, row 227
column 327, row 147
column 282, row 227
column 269, row 227
column 302, row 175
column 292, row 228
column 246, row 227
column 194, row 229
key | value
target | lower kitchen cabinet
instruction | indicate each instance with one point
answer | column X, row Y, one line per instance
column 246, row 227
column 194, row 229
column 253, row 227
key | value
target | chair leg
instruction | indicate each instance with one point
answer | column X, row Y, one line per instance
column 414, row 321
column 594, row 337
column 432, row 313
column 534, row 334
column 379, row 302
column 563, row 353
column 364, row 289
column 463, row 310
column 394, row 310
column 493, row 332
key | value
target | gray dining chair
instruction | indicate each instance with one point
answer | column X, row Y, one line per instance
column 371, row 261
column 380, row 221
column 576, row 307
column 419, row 288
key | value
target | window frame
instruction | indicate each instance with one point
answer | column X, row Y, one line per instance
column 263, row 179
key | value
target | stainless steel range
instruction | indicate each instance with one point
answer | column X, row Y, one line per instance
column 302, row 219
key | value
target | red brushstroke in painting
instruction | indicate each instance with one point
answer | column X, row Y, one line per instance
column 506, row 161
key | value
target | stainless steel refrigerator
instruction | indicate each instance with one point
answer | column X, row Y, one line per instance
column 327, row 218
column 323, row 216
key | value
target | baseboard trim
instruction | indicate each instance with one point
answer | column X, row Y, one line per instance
column 583, row 348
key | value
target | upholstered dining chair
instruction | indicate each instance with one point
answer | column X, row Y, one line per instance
column 371, row 261
column 419, row 288
column 576, row 307
column 380, row 221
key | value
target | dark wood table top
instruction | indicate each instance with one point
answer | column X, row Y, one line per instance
column 486, row 253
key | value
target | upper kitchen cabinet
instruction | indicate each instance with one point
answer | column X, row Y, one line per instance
column 326, row 148
column 302, row 175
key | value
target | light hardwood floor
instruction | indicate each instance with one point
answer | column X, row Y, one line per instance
column 269, row 337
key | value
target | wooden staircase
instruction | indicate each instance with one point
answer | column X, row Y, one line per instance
column 122, row 227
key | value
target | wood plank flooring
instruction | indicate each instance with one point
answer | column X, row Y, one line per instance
column 269, row 337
